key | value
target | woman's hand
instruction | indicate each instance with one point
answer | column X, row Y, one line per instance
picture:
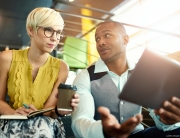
column 74, row 104
column 25, row 111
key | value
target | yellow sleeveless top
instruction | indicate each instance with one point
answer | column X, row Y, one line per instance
column 22, row 89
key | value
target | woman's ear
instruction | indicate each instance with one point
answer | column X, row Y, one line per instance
column 126, row 39
column 30, row 31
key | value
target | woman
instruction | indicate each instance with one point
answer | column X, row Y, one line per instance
column 32, row 76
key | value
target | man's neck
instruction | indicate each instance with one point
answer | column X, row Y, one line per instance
column 118, row 66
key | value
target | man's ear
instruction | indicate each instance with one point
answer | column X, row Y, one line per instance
column 126, row 39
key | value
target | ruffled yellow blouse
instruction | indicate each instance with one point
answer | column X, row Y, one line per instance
column 22, row 89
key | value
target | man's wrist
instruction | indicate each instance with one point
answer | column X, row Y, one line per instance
column 105, row 135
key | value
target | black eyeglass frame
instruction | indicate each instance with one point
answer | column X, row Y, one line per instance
column 61, row 34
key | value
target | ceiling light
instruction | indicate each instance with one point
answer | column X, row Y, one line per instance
column 71, row 0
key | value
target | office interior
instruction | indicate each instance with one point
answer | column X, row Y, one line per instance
column 153, row 24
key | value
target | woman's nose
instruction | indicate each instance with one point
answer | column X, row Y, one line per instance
column 54, row 36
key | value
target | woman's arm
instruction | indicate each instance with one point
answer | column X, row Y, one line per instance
column 62, row 76
column 5, row 60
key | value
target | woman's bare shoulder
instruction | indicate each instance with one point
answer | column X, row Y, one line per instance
column 6, row 57
column 64, row 65
column 63, row 71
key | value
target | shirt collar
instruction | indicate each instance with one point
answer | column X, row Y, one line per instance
column 100, row 66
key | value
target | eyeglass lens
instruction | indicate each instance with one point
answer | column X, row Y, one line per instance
column 49, row 32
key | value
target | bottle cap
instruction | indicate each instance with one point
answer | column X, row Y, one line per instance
column 66, row 86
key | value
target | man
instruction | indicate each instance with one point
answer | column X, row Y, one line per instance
column 100, row 85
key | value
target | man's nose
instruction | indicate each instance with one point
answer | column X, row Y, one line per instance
column 101, row 42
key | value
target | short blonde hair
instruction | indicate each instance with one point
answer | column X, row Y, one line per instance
column 45, row 17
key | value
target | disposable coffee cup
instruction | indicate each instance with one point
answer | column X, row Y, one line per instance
column 65, row 94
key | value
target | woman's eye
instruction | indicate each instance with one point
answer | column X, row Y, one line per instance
column 59, row 32
column 49, row 29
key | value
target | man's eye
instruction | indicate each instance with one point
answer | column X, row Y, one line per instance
column 97, row 39
column 107, row 35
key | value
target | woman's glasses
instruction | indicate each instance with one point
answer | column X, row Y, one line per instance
column 49, row 32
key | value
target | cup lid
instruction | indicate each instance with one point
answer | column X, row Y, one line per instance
column 66, row 86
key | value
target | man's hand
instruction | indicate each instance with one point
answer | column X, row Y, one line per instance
column 111, row 126
column 170, row 112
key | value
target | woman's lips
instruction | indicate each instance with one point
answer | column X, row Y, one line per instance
column 51, row 45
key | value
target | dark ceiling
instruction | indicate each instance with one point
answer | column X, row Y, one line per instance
column 13, row 15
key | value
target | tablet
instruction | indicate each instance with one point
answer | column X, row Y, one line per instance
column 156, row 78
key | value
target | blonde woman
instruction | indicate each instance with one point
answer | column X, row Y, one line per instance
column 32, row 76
